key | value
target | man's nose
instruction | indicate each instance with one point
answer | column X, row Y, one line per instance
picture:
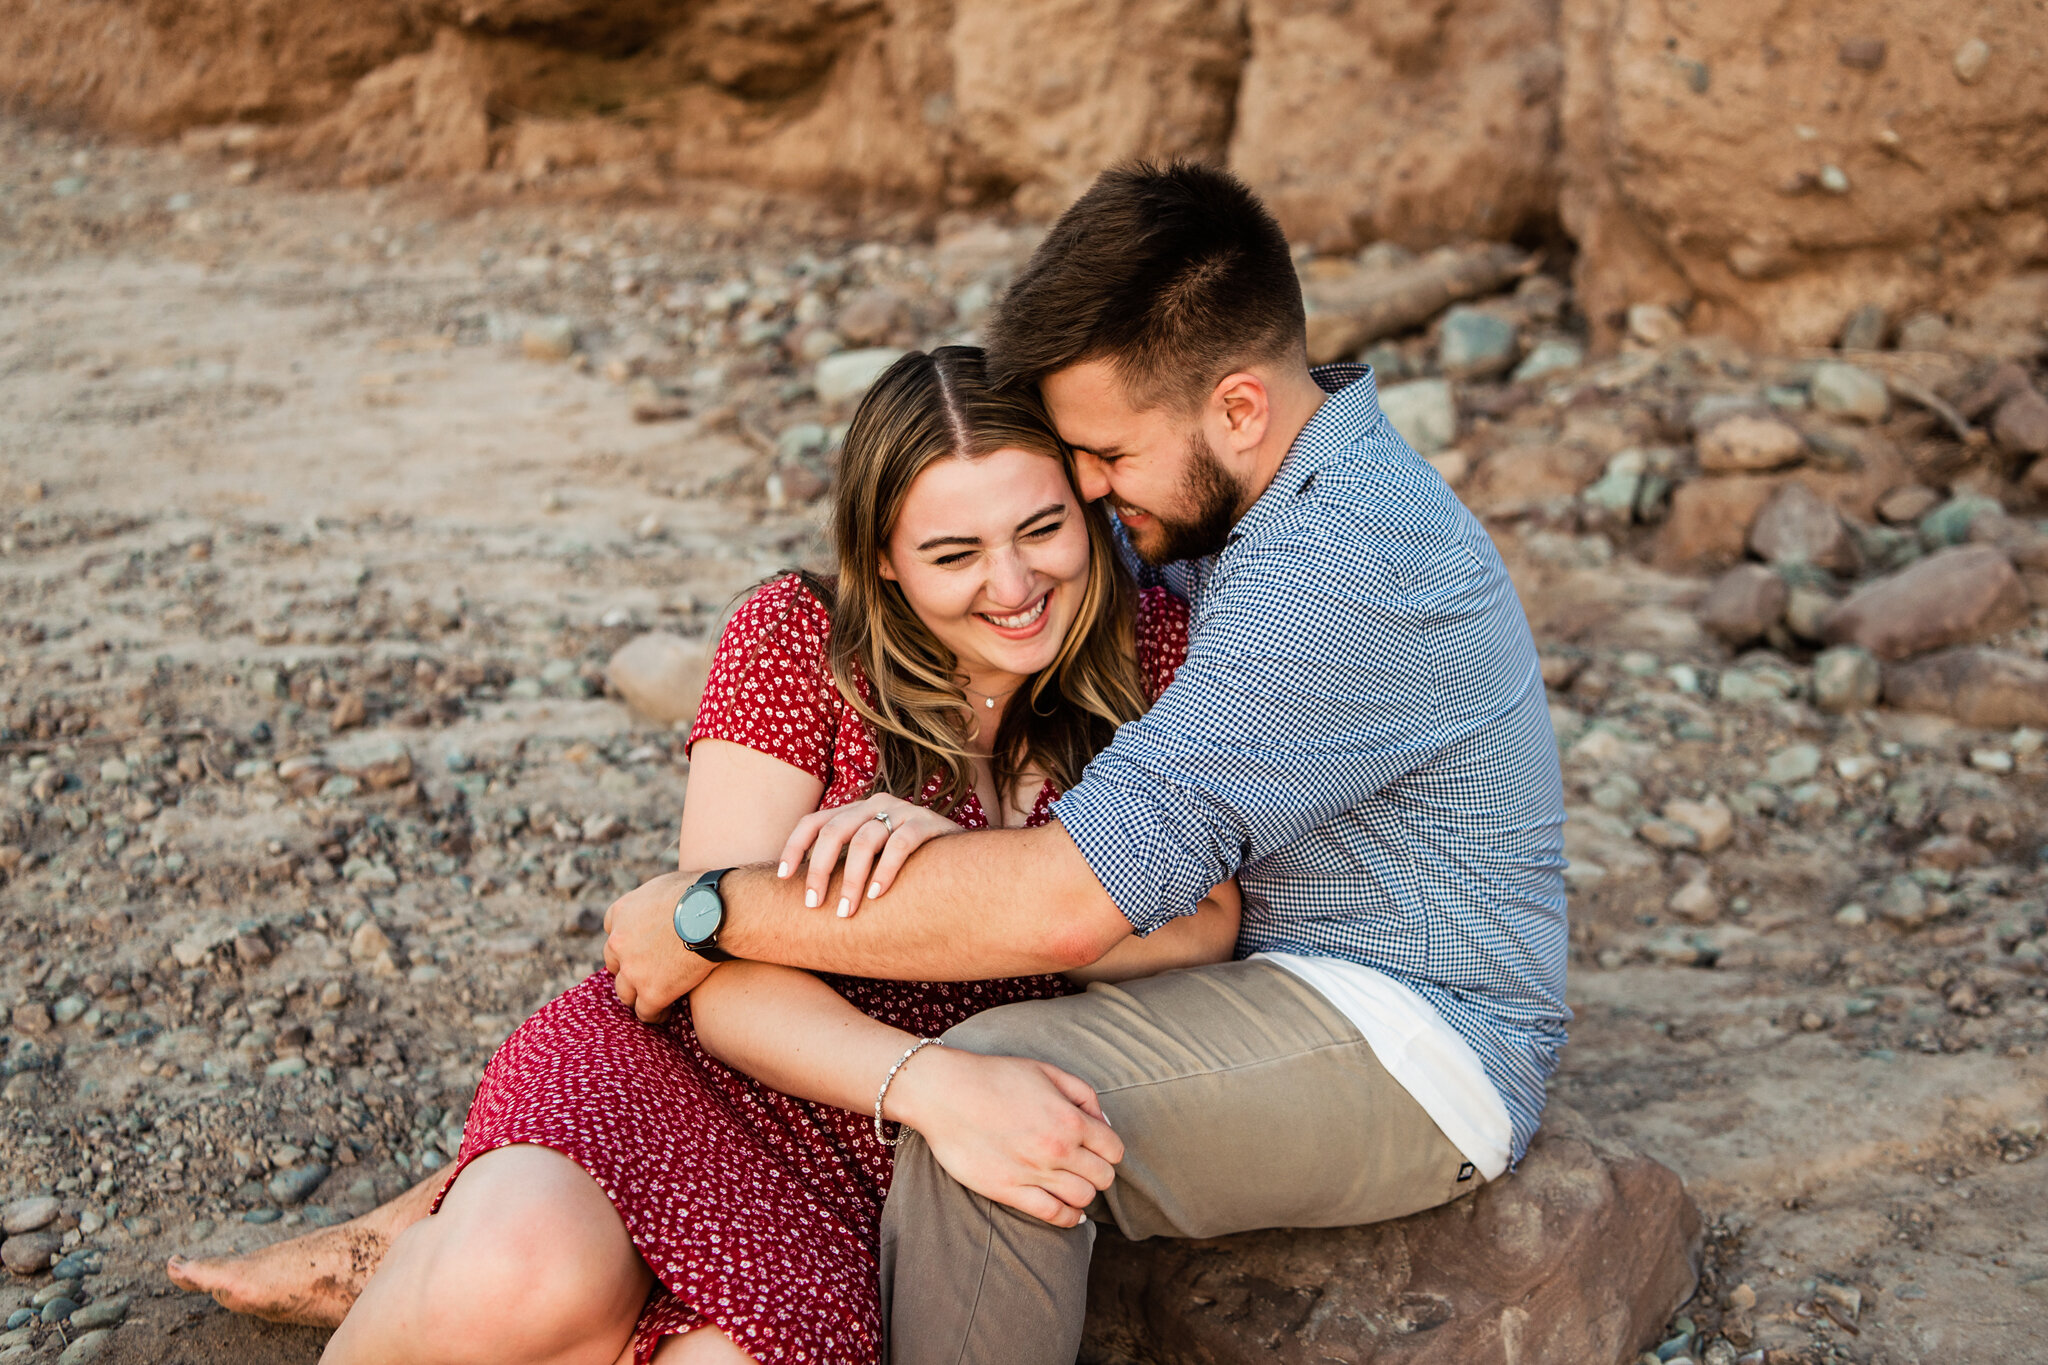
column 1091, row 477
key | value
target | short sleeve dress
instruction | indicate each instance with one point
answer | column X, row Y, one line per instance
column 756, row 1212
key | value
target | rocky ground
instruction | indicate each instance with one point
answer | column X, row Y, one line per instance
column 323, row 514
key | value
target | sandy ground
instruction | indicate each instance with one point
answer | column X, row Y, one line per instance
column 268, row 453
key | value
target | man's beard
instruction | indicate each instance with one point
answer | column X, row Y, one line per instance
column 1213, row 497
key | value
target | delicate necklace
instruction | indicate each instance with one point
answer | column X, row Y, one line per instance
column 988, row 700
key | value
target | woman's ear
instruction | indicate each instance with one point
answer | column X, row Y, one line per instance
column 885, row 568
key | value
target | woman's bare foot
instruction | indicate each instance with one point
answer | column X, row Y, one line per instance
column 311, row 1280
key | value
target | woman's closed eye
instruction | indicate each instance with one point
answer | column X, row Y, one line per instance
column 1036, row 533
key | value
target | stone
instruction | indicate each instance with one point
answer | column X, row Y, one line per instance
column 1710, row 820
column 661, row 676
column 88, row 1346
column 1843, row 390
column 602, row 829
column 28, row 1215
column 1978, row 687
column 58, row 1310
column 1970, row 60
column 847, row 375
column 368, row 943
column 1904, row 902
column 1424, row 411
column 295, row 1185
column 873, row 317
column 1743, row 604
column 1749, row 443
column 2020, row 426
column 1473, row 343
column 1695, row 902
column 1552, row 355
column 33, row 1018
column 1864, row 331
column 100, row 1313
column 1805, row 608
column 1794, row 763
column 30, row 1252
column 1652, row 324
column 1579, row 1256
column 550, row 339
column 1906, row 505
column 1797, row 526
column 1950, row 522
column 1846, row 678
column 1923, row 332
column 1953, row 597
column 379, row 762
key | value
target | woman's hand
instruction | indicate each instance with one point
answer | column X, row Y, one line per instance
column 874, row 849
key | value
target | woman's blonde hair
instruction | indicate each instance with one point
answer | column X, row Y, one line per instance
column 926, row 408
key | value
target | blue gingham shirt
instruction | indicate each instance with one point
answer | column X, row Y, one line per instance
column 1360, row 736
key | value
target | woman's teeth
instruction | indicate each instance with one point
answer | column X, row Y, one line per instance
column 1021, row 619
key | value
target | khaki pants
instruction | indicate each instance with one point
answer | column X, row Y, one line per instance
column 1244, row 1100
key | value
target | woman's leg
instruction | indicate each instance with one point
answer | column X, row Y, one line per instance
column 309, row 1280
column 705, row 1346
column 527, row 1263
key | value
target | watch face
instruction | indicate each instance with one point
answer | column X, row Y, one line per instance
column 700, row 914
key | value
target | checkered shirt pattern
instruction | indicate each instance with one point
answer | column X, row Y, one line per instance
column 1360, row 736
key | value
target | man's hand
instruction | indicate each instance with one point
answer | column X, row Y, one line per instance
column 650, row 966
column 1019, row 1132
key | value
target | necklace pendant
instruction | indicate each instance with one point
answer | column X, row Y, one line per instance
column 989, row 702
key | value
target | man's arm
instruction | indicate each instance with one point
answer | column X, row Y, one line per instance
column 976, row 906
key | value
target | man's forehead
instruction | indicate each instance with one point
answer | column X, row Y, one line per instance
column 1090, row 405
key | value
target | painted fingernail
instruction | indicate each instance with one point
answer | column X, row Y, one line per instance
column 874, row 890
column 782, row 869
column 811, row 899
column 845, row 907
column 1084, row 1218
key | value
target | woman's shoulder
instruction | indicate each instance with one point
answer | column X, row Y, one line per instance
column 1161, row 631
column 770, row 685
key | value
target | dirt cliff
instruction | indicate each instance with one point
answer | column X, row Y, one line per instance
column 1765, row 169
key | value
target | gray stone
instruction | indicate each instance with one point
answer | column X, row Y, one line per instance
column 1980, row 687
column 1794, row 763
column 1424, row 412
column 1949, row 523
column 1904, row 902
column 1949, row 598
column 101, row 1313
column 57, row 1310
column 1797, row 526
column 848, row 374
column 1743, row 604
column 2020, row 426
column 28, row 1215
column 1473, row 343
column 1846, row 679
column 87, row 1347
column 293, row 1186
column 30, row 1252
column 1843, row 390
column 1552, row 355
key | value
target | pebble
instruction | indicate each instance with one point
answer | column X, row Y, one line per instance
column 1991, row 760
column 1696, row 901
column 846, row 375
column 1949, row 523
column 1846, row 678
column 1903, row 903
column 659, row 675
column 101, row 1313
column 1843, row 390
column 1550, row 356
column 1474, row 343
column 30, row 1252
column 294, row 1185
column 1834, row 179
column 19, row 1318
column 1970, row 60
column 262, row 1216
column 1864, row 331
column 28, row 1215
column 1797, row 526
column 1424, row 411
column 89, row 1346
column 550, row 339
column 1905, row 505
column 1652, row 324
column 368, row 943
column 59, row 1288
column 1748, row 443
column 1794, row 763
column 1710, row 821
column 57, row 1310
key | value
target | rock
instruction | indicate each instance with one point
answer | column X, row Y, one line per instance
column 873, row 317
column 1580, row 1255
column 1904, row 902
column 1970, row 60
column 293, row 1186
column 1553, row 355
column 1747, row 443
column 1979, row 687
column 28, row 1215
column 2020, row 425
column 1950, row 598
column 1695, row 902
column 1846, row 678
column 1950, row 523
column 1906, row 505
column 1794, row 763
column 58, row 1309
column 847, row 375
column 661, row 676
column 1709, row 519
column 550, row 339
column 1743, row 604
column 1424, row 412
column 602, row 829
column 1473, row 343
column 1710, row 820
column 100, row 1313
column 368, row 943
column 347, row 714
column 33, row 1018
column 1805, row 608
column 89, row 1346
column 1841, row 390
column 1797, row 527
column 1652, row 324
column 379, row 762
column 30, row 1252
column 569, row 874
column 1864, row 331
column 1923, row 332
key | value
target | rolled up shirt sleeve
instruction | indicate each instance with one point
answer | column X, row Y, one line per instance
column 1311, row 683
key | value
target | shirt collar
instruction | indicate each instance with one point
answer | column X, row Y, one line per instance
column 1353, row 405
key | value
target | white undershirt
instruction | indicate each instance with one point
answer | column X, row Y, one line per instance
column 1418, row 1049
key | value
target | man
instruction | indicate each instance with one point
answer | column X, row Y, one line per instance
column 1359, row 736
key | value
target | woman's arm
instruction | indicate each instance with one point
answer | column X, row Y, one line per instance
column 1209, row 935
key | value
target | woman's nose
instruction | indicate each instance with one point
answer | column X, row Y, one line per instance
column 1010, row 579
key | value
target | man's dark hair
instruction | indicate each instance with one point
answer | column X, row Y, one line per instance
column 1178, row 275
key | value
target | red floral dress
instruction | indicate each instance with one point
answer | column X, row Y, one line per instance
column 757, row 1212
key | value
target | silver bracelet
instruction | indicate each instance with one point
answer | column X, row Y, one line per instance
column 888, row 1080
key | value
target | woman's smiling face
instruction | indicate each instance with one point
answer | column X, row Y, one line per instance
column 992, row 555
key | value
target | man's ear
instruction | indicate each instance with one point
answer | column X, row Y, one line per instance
column 1244, row 409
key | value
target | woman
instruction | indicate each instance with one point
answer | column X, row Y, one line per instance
column 709, row 1188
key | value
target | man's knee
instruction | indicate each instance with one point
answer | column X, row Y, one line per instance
column 1038, row 1029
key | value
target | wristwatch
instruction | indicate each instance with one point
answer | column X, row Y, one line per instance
column 700, row 914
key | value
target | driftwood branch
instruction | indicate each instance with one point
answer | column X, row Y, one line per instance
column 1345, row 314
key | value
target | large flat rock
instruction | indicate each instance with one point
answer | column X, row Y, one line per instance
column 1578, row 1258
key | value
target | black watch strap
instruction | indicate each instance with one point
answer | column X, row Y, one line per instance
column 706, row 947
